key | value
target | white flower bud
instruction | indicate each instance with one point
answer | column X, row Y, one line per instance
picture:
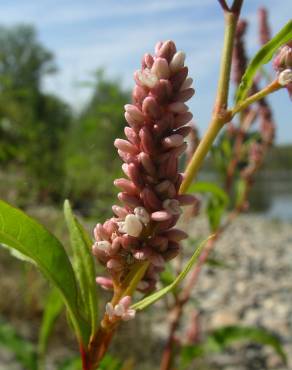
column 285, row 77
column 142, row 215
column 147, row 78
column 129, row 315
column 177, row 61
column 109, row 310
column 104, row 244
column 133, row 226
column 119, row 310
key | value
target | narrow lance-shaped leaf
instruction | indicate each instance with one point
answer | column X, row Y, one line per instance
column 262, row 57
column 83, row 264
column 53, row 308
column 162, row 292
column 24, row 234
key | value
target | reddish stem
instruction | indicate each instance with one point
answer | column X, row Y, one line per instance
column 83, row 354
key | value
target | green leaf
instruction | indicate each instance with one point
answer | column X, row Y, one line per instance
column 110, row 363
column 263, row 56
column 24, row 234
column 71, row 364
column 23, row 350
column 209, row 187
column 217, row 202
column 220, row 339
column 83, row 265
column 53, row 308
column 159, row 294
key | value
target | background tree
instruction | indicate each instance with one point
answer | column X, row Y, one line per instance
column 91, row 160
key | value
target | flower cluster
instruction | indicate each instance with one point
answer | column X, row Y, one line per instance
column 283, row 65
column 143, row 227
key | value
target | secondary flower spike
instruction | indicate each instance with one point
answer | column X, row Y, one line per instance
column 143, row 226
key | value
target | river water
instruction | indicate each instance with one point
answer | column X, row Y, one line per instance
column 270, row 196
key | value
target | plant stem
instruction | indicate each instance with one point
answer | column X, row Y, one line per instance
column 219, row 118
column 220, row 114
column 272, row 87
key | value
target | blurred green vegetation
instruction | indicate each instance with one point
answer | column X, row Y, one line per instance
column 47, row 152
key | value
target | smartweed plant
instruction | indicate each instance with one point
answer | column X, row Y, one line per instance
column 137, row 243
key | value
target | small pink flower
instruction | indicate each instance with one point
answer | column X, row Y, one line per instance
column 121, row 310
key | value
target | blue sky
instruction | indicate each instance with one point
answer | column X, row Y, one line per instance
column 114, row 34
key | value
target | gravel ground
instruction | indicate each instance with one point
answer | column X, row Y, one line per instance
column 255, row 290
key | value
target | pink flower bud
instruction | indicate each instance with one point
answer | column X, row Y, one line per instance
column 173, row 141
column 129, row 200
column 172, row 206
column 126, row 301
column 182, row 119
column 126, row 186
column 167, row 50
column 147, row 163
column 160, row 68
column 161, row 216
column 151, row 201
column 175, row 235
column 186, row 199
column 188, row 83
column 139, row 94
column 184, row 131
column 135, row 113
column 114, row 264
column 147, row 141
column 125, row 146
column 156, row 259
column 185, row 95
column 178, row 79
column 151, row 108
column 100, row 233
column 162, row 91
column 147, row 61
column 178, row 107
column 104, row 282
column 119, row 211
column 146, row 78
